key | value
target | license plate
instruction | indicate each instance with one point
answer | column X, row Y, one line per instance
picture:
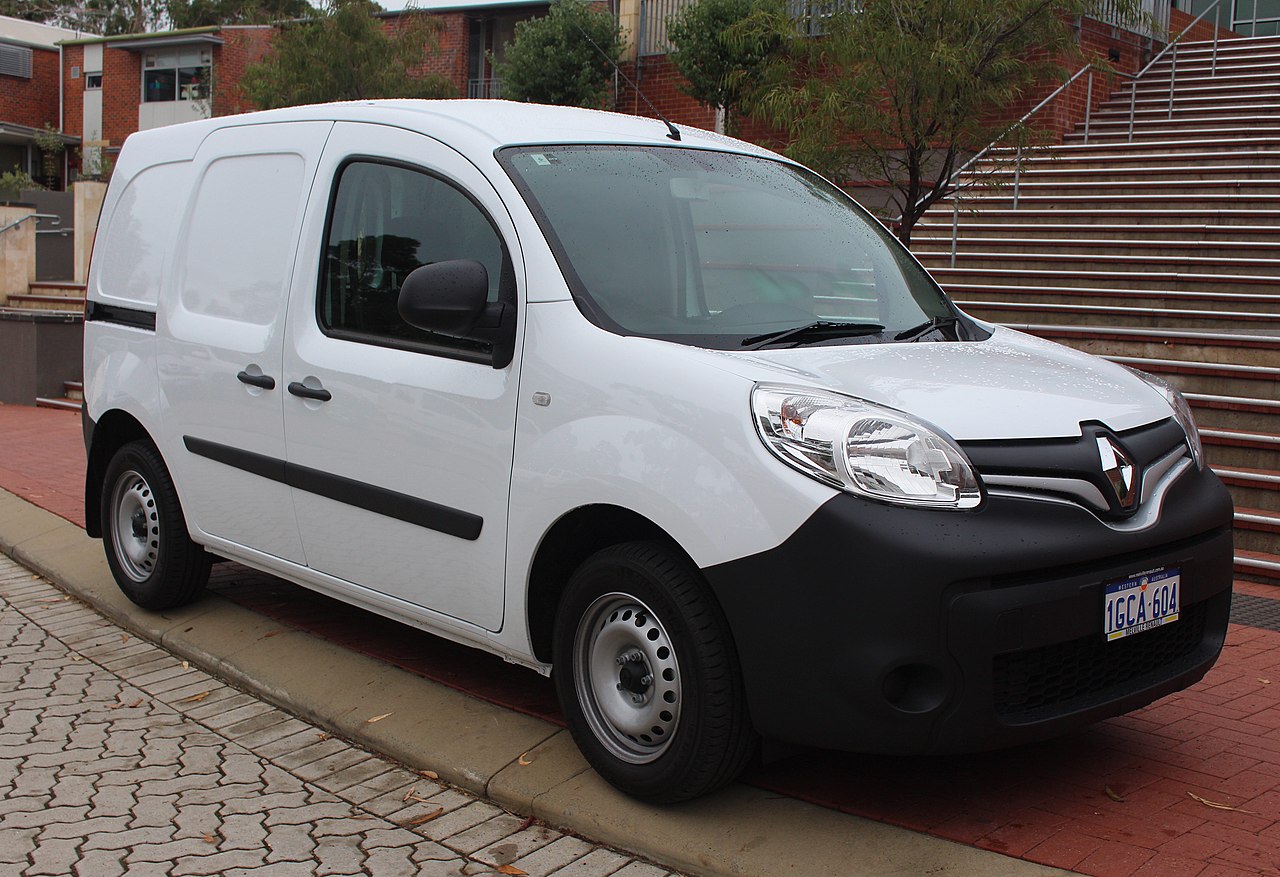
column 1142, row 602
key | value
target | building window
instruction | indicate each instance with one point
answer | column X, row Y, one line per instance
column 177, row 75
column 15, row 61
column 93, row 81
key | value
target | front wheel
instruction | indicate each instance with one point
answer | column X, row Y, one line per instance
column 152, row 558
column 647, row 675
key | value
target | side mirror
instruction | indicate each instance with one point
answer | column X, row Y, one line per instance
column 452, row 298
column 446, row 297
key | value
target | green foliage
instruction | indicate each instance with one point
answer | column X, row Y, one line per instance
column 203, row 13
column 51, row 148
column 721, row 64
column 102, row 17
column 13, row 182
column 343, row 53
column 903, row 90
column 552, row 60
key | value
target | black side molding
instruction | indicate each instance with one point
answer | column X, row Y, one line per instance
column 137, row 318
column 379, row 500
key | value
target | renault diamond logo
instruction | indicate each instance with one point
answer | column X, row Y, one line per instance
column 1119, row 471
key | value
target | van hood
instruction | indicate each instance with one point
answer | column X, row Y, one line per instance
column 1011, row 386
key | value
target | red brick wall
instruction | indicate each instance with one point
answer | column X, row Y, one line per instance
column 450, row 60
column 32, row 102
column 1178, row 20
column 73, row 91
column 241, row 47
column 121, row 94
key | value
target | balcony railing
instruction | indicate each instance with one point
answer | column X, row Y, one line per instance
column 484, row 88
column 1151, row 21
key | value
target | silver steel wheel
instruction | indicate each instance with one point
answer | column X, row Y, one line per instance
column 134, row 526
column 627, row 678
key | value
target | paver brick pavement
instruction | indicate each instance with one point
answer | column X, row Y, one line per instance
column 117, row 757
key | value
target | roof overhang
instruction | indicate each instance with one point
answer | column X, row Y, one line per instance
column 147, row 43
column 11, row 133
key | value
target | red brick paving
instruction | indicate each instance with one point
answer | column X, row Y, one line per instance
column 1111, row 801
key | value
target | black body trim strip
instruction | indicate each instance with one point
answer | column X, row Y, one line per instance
column 134, row 317
column 379, row 500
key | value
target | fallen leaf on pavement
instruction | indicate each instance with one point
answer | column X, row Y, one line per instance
column 512, row 870
column 209, row 839
column 1113, row 795
column 429, row 774
column 186, row 665
column 527, row 822
column 124, row 637
column 376, row 719
column 524, row 760
column 1216, row 806
column 77, row 657
column 196, row 698
column 136, row 703
column 1264, row 681
column 427, row 817
column 323, row 735
column 115, row 706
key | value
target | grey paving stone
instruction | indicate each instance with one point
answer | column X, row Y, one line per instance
column 115, row 764
column 554, row 855
column 597, row 863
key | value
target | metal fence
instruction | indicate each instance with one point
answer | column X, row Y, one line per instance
column 484, row 88
column 811, row 17
column 1151, row 21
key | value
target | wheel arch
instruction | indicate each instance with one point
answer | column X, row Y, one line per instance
column 112, row 431
column 573, row 538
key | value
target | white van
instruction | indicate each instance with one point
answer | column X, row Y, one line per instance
column 656, row 411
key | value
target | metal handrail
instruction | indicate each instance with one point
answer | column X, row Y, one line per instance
column 1089, row 68
column 57, row 220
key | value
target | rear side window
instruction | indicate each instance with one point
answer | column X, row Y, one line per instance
column 387, row 220
column 239, row 249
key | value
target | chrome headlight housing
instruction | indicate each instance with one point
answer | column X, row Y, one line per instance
column 864, row 449
column 1181, row 412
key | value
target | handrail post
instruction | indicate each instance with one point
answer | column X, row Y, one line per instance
column 1088, row 106
column 1133, row 99
column 955, row 224
column 1017, row 176
column 1217, row 25
column 1173, row 75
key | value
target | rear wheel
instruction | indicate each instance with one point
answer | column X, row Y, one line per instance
column 154, row 561
column 647, row 675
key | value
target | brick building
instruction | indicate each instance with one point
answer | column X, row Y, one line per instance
column 29, row 98
column 113, row 86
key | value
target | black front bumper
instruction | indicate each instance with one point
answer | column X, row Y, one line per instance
column 883, row 629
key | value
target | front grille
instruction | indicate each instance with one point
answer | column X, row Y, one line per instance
column 1065, row 677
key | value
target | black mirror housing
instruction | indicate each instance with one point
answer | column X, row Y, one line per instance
column 446, row 297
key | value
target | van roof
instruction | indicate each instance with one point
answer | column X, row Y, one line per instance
column 473, row 124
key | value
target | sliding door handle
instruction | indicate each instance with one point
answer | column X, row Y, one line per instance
column 266, row 382
column 320, row 394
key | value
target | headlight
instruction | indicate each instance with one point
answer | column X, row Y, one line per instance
column 1181, row 412
column 865, row 449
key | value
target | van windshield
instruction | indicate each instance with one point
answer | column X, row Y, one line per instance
column 724, row 250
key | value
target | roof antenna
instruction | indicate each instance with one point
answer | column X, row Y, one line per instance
column 672, row 131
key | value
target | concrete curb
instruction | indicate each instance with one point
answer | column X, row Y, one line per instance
column 526, row 765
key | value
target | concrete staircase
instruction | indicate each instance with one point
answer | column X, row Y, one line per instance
column 42, row 297
column 1161, row 252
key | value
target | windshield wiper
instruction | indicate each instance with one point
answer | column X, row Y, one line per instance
column 817, row 330
column 917, row 332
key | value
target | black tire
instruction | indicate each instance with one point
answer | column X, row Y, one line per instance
column 154, row 561
column 684, row 732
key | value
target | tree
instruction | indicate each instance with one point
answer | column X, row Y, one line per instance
column 903, row 90
column 203, row 13
column 343, row 53
column 552, row 59
column 102, row 17
column 720, row 64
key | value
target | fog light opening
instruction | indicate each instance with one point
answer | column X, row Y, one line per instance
column 915, row 688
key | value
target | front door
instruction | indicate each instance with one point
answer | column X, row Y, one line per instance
column 400, row 441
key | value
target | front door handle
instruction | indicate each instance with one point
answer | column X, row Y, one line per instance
column 320, row 394
column 266, row 382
